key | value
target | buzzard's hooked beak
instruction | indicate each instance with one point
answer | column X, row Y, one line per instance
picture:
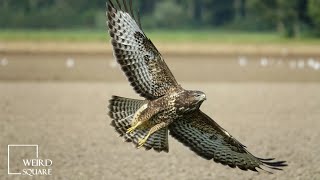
column 203, row 96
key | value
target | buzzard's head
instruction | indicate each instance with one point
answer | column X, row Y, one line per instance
column 189, row 100
column 198, row 97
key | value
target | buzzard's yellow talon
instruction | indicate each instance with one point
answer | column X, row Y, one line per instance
column 133, row 127
column 142, row 141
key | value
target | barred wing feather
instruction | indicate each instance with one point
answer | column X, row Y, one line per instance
column 138, row 57
column 210, row 141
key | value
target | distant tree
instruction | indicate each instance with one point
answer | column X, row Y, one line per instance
column 314, row 13
column 217, row 12
column 147, row 6
column 239, row 9
column 289, row 17
column 286, row 16
column 283, row 15
column 197, row 10
column 263, row 15
column 169, row 14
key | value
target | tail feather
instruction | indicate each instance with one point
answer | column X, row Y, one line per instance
column 122, row 110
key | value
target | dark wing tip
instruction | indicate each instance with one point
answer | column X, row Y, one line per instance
column 270, row 164
column 109, row 4
column 274, row 164
column 119, row 4
column 125, row 7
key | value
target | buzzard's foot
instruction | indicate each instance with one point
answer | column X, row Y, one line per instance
column 152, row 130
column 142, row 141
column 133, row 127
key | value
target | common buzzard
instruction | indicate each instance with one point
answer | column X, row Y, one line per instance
column 167, row 106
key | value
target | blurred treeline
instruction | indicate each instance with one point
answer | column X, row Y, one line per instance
column 289, row 17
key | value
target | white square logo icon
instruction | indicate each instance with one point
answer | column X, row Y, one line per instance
column 23, row 159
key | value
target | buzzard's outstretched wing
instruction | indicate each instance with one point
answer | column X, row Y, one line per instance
column 206, row 138
column 138, row 57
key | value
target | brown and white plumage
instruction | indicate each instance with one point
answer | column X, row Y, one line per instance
column 167, row 106
column 138, row 57
column 210, row 141
column 122, row 111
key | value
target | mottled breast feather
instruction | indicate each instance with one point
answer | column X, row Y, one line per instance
column 138, row 57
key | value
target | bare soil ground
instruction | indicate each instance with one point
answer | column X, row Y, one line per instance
column 80, row 67
column 195, row 48
column 69, row 123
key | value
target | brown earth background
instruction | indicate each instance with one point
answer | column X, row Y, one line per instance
column 56, row 96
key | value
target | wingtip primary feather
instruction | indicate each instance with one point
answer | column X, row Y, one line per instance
column 131, row 11
column 119, row 4
column 273, row 165
column 270, row 162
column 125, row 5
column 109, row 3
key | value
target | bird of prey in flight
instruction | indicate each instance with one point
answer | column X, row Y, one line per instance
column 167, row 107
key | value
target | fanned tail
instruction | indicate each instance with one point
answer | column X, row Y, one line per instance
column 121, row 111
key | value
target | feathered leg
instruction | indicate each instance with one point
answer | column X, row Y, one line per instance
column 151, row 131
